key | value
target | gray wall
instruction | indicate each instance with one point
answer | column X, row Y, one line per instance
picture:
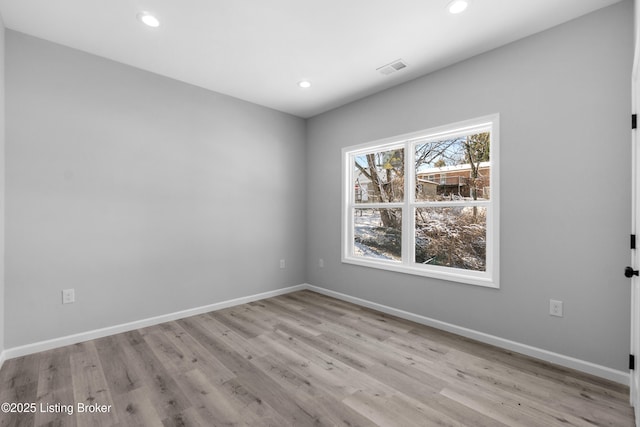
column 2, row 179
column 146, row 195
column 564, row 100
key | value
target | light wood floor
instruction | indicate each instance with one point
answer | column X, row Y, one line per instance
column 302, row 359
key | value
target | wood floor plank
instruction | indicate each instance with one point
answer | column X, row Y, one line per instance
column 304, row 359
column 19, row 381
column 250, row 380
column 163, row 391
column 278, row 317
column 240, row 344
column 188, row 354
column 190, row 417
column 134, row 408
column 315, row 371
column 19, row 373
column 379, row 351
column 334, row 413
column 119, row 375
column 287, row 308
column 212, row 402
column 310, row 385
column 534, row 388
column 331, row 346
column 235, row 320
column 503, row 415
column 54, row 388
column 519, row 362
column 90, row 388
column 394, row 410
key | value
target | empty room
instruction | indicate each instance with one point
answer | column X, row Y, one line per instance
column 296, row 213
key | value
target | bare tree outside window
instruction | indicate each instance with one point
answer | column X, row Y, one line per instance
column 459, row 168
column 379, row 179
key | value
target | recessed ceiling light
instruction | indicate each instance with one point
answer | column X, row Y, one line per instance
column 148, row 19
column 458, row 6
column 304, row 84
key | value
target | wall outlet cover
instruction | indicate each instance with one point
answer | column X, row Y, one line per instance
column 555, row 308
column 68, row 296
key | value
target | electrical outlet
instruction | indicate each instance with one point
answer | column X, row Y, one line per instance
column 68, row 296
column 282, row 263
column 321, row 263
column 555, row 308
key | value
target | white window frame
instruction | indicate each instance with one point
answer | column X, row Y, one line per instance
column 487, row 278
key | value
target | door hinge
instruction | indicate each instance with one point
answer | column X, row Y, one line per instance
column 633, row 241
column 632, row 362
column 634, row 121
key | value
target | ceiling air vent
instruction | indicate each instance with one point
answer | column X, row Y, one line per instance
column 396, row 65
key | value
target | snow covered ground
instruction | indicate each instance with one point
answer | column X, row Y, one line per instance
column 363, row 250
column 368, row 228
column 448, row 236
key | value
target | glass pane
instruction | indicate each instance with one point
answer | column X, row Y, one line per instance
column 379, row 177
column 452, row 237
column 378, row 233
column 454, row 169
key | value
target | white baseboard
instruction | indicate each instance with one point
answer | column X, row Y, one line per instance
column 126, row 327
column 621, row 377
column 549, row 356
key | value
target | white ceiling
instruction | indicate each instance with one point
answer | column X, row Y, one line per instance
column 258, row 50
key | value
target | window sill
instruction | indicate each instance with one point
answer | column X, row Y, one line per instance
column 442, row 273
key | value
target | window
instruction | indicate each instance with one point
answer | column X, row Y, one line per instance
column 426, row 203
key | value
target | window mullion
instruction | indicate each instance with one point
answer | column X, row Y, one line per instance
column 408, row 221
